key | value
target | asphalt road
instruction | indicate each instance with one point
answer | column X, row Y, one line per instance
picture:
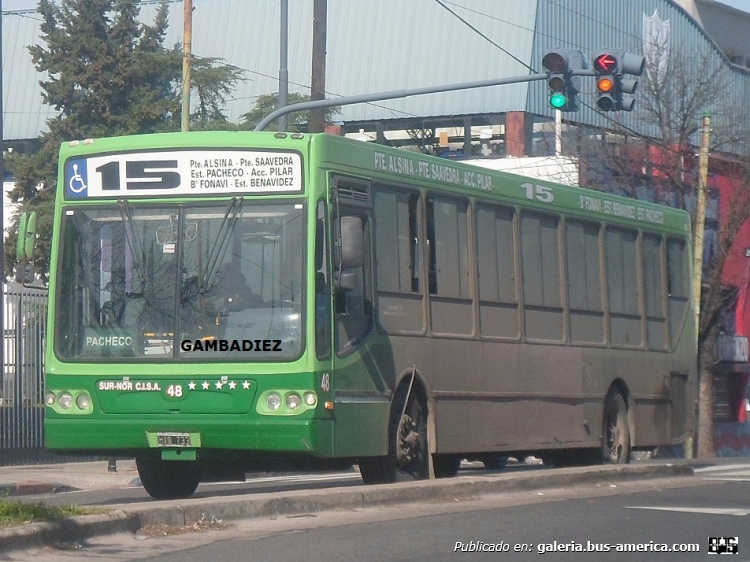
column 682, row 512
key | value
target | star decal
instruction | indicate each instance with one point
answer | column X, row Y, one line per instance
column 191, row 385
column 245, row 385
column 205, row 385
column 219, row 384
column 232, row 385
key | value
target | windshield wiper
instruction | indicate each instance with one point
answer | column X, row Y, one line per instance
column 134, row 243
column 220, row 245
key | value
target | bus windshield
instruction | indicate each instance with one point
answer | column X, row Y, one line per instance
column 221, row 280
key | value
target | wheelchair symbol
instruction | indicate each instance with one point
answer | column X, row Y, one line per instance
column 76, row 179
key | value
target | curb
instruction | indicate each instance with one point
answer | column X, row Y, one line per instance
column 33, row 488
column 63, row 531
column 186, row 512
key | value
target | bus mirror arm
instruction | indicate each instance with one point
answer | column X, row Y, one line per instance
column 345, row 281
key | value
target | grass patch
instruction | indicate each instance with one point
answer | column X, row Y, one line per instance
column 14, row 512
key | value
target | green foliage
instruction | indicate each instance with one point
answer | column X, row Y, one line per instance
column 107, row 75
column 213, row 84
column 268, row 103
column 19, row 513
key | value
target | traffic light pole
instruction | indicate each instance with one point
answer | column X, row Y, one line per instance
column 380, row 96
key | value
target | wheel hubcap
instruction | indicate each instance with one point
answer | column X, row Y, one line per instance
column 408, row 438
column 614, row 441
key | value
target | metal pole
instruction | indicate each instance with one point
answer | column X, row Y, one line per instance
column 283, row 70
column 2, row 211
column 187, row 40
column 318, row 83
column 18, row 384
column 3, row 418
column 700, row 219
column 379, row 96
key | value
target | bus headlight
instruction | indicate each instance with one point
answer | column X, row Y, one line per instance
column 65, row 400
column 83, row 401
column 310, row 398
column 273, row 401
column 293, row 401
column 71, row 402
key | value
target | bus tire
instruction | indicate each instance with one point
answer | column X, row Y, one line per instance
column 407, row 437
column 616, row 431
column 168, row 480
column 446, row 466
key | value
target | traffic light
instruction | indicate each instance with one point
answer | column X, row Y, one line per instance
column 563, row 87
column 633, row 65
column 615, row 90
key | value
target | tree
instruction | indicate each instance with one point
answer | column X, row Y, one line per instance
column 108, row 75
column 268, row 103
column 662, row 165
column 213, row 82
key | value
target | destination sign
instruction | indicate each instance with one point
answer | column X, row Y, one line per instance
column 443, row 172
column 184, row 172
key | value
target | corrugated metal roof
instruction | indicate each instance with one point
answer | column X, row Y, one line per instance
column 377, row 45
column 24, row 113
column 380, row 45
column 592, row 25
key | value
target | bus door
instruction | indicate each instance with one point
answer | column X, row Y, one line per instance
column 359, row 391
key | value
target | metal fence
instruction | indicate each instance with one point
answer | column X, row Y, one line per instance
column 22, row 392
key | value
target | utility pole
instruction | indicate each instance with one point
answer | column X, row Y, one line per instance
column 187, row 41
column 318, row 82
column 705, row 377
column 700, row 218
column 283, row 70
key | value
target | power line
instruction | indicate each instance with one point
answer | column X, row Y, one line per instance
column 475, row 30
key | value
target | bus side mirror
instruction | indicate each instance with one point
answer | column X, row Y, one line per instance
column 351, row 249
column 25, row 273
column 26, row 236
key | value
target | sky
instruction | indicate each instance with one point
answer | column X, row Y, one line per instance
column 739, row 4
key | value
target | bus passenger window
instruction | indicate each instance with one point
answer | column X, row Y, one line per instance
column 398, row 249
column 622, row 287
column 397, row 240
column 678, row 287
column 451, row 309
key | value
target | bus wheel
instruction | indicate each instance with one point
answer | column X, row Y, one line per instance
column 446, row 466
column 168, row 480
column 407, row 459
column 616, row 445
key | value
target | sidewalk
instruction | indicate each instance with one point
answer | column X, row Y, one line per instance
column 65, row 477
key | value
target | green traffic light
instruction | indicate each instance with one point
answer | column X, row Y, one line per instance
column 558, row 100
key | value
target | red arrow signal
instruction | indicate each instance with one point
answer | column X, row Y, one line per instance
column 605, row 63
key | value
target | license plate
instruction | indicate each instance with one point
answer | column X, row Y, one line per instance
column 173, row 440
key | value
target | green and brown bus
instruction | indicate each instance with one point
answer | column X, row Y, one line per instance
column 225, row 301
